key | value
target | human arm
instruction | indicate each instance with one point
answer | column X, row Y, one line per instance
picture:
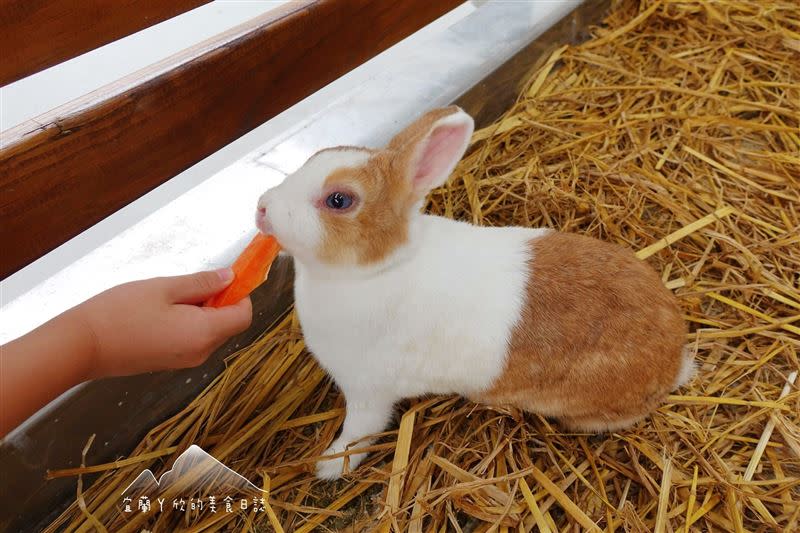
column 137, row 327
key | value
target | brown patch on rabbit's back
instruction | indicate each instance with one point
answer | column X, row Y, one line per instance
column 600, row 339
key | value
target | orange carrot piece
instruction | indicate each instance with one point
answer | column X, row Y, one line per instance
column 250, row 269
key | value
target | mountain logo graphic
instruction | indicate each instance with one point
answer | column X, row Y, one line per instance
column 195, row 477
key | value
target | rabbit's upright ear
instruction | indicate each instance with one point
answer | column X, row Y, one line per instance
column 431, row 146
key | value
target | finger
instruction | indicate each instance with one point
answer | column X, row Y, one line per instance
column 198, row 287
column 224, row 322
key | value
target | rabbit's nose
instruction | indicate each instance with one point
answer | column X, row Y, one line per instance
column 261, row 220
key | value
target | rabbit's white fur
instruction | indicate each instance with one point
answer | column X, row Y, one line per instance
column 438, row 321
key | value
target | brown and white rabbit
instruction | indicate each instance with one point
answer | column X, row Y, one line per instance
column 394, row 303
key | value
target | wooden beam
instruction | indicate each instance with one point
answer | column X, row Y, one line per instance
column 38, row 34
column 67, row 170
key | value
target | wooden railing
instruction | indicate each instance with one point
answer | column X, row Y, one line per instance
column 70, row 168
column 39, row 34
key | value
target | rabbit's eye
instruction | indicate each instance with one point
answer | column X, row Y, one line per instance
column 339, row 200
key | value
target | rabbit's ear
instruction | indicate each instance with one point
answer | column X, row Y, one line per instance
column 431, row 147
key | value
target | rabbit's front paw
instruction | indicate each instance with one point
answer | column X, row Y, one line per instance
column 332, row 469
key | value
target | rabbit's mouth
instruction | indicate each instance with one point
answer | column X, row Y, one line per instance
column 262, row 222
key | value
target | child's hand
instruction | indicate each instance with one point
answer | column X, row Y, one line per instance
column 137, row 327
column 153, row 325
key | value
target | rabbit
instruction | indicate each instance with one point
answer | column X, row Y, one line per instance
column 394, row 303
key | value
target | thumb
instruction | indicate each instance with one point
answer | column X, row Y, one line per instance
column 198, row 287
column 224, row 322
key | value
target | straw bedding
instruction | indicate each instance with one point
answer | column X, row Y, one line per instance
column 674, row 131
